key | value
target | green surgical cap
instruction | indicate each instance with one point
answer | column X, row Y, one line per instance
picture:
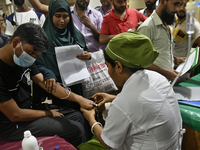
column 132, row 49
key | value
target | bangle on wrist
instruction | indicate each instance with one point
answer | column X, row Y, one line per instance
column 68, row 91
column 94, row 125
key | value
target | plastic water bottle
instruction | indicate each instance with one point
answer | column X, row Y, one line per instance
column 29, row 142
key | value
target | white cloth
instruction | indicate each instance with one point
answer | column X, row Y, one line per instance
column 135, row 108
column 24, row 17
column 162, row 40
column 181, row 48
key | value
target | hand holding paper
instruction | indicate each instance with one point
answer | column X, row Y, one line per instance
column 84, row 56
column 71, row 67
column 192, row 61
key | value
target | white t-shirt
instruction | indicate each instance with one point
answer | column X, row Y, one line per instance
column 24, row 17
column 135, row 108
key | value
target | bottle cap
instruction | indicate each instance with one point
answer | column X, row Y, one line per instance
column 57, row 147
column 27, row 134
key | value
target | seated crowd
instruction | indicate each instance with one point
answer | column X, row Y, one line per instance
column 141, row 51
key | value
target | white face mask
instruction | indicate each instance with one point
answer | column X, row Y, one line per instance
column 24, row 60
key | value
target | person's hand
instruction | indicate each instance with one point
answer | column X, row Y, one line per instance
column 85, row 103
column 2, row 27
column 171, row 75
column 179, row 60
column 84, row 56
column 136, row 27
column 88, row 114
column 50, row 85
column 55, row 113
column 86, row 21
column 102, row 98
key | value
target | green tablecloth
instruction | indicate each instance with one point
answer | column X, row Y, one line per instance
column 193, row 82
column 191, row 114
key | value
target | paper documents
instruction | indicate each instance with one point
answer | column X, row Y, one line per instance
column 72, row 69
column 187, row 93
column 192, row 61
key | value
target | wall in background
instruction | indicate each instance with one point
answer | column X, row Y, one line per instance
column 3, row 5
column 136, row 4
column 94, row 3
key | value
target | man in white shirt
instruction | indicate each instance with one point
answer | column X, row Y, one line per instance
column 145, row 115
column 24, row 14
column 157, row 28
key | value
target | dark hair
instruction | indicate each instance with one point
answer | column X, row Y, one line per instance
column 32, row 34
column 108, row 59
column 61, row 10
column 112, row 63
column 18, row 2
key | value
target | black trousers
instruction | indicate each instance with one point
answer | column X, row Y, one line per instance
column 71, row 128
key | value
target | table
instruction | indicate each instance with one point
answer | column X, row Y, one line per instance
column 191, row 119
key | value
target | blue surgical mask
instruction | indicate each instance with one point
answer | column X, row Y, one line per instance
column 24, row 60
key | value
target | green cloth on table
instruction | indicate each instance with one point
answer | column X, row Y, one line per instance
column 190, row 116
column 92, row 144
column 192, row 82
